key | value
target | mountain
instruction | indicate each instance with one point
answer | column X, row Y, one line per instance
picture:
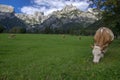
column 70, row 14
column 8, row 18
column 68, row 18
column 36, row 18
column 6, row 11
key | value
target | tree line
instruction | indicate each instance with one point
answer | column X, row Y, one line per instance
column 110, row 13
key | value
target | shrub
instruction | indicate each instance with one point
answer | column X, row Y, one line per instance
column 17, row 30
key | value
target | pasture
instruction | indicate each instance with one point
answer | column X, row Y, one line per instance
column 52, row 57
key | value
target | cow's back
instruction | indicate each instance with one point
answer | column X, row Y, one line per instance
column 103, row 35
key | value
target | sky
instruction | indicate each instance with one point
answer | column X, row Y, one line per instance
column 46, row 6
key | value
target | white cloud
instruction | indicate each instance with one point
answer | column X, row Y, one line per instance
column 48, row 6
column 29, row 9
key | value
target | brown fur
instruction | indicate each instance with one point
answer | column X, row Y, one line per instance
column 104, row 38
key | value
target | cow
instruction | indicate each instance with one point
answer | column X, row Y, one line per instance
column 102, row 39
column 11, row 36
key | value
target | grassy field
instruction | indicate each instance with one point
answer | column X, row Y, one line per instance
column 52, row 57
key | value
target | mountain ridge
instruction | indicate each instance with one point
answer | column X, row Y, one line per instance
column 57, row 19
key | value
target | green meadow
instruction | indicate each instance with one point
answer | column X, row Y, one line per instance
column 52, row 57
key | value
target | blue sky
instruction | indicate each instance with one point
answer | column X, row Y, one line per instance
column 46, row 6
column 17, row 4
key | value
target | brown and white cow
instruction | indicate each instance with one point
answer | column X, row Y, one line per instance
column 103, row 37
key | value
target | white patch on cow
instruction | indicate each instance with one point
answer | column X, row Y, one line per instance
column 108, row 32
column 97, row 54
column 111, row 33
column 101, row 30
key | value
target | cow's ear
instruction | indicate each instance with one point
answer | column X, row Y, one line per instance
column 105, row 46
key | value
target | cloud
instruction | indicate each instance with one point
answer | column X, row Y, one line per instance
column 48, row 6
column 29, row 9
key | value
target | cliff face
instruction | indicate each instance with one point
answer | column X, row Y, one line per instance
column 70, row 17
column 8, row 18
column 6, row 8
column 37, row 18
column 69, row 14
column 6, row 11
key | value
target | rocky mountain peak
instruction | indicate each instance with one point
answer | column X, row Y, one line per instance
column 69, row 8
column 31, row 19
column 6, row 8
column 6, row 11
column 93, row 11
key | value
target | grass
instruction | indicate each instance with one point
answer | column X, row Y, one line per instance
column 51, row 57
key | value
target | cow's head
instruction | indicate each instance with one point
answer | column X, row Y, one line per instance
column 97, row 54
